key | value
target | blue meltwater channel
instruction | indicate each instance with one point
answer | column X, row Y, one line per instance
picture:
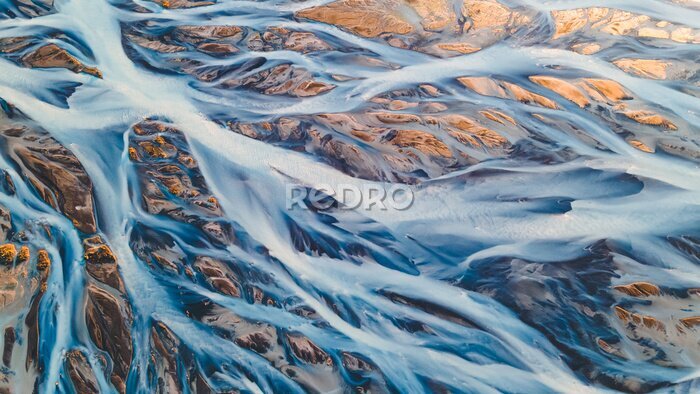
column 551, row 150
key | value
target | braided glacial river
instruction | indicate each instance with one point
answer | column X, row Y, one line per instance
column 147, row 243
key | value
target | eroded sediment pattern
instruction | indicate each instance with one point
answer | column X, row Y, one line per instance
column 553, row 148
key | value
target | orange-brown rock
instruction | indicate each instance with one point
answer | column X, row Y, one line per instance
column 611, row 90
column 156, row 150
column 43, row 261
column 433, row 107
column 215, row 48
column 569, row 21
column 154, row 45
column 430, row 90
column 14, row 44
column 52, row 170
column 490, row 14
column 527, row 97
column 685, row 35
column 639, row 289
column 395, row 118
column 605, row 346
column 53, row 56
column 498, row 117
column 23, row 255
column 182, row 3
column 647, row 68
column 347, row 122
column 35, row 8
column 581, row 92
column 195, row 34
column 461, row 47
column 611, row 21
column 13, row 276
column 101, row 263
column 366, row 18
column 308, row 351
column 653, row 323
column 366, row 137
column 305, row 42
column 586, row 48
column 219, row 275
column 201, row 34
column 490, row 87
column 639, row 320
column 488, row 21
column 691, row 322
column 310, row 88
column 619, row 22
column 408, row 134
column 468, row 131
column 108, row 321
column 649, row 118
column 435, row 14
column 622, row 313
column 437, row 27
column 399, row 105
column 484, row 86
column 178, row 370
column 421, row 141
column 562, row 88
column 354, row 363
column 80, row 373
column 165, row 352
column 174, row 185
column 259, row 341
column 284, row 79
column 648, row 32
column 641, row 146
column 62, row 184
column 8, row 252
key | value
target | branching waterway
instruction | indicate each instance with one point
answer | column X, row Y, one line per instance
column 147, row 148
